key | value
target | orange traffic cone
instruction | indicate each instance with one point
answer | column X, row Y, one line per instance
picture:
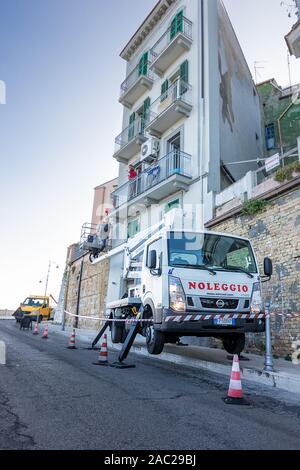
column 103, row 354
column 72, row 341
column 36, row 329
column 235, row 392
column 46, row 332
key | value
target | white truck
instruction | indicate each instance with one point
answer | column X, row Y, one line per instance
column 186, row 283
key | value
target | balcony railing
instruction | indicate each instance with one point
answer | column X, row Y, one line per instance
column 135, row 130
column 171, row 106
column 134, row 76
column 175, row 163
column 169, row 47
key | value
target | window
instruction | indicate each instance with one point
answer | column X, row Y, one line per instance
column 218, row 252
column 270, row 136
column 177, row 25
column 133, row 228
column 143, row 65
column 184, row 76
column 172, row 205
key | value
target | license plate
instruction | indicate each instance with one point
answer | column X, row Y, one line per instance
column 224, row 322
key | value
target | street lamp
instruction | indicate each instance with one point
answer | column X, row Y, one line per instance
column 48, row 274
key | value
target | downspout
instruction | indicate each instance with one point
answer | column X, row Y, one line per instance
column 79, row 294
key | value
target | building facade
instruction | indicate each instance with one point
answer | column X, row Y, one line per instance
column 293, row 37
column 281, row 116
column 191, row 117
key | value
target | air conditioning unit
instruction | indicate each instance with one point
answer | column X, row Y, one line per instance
column 150, row 150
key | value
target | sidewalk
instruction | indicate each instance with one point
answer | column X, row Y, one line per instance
column 286, row 375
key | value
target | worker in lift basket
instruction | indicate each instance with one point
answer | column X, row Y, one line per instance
column 132, row 176
column 103, row 231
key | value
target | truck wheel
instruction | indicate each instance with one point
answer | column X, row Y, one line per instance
column 116, row 333
column 234, row 344
column 155, row 341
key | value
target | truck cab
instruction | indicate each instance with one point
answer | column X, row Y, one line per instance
column 36, row 307
column 188, row 283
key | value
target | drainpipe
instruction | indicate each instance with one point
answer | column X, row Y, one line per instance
column 79, row 294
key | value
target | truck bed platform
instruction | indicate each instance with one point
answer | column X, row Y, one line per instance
column 128, row 302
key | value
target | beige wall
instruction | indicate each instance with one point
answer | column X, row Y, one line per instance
column 102, row 200
column 92, row 292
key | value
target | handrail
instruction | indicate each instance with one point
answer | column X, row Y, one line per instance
column 133, row 76
column 167, row 38
column 175, row 162
column 129, row 133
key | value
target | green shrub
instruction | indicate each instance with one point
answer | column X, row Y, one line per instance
column 286, row 173
column 255, row 206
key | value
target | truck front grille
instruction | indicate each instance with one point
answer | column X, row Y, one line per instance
column 229, row 304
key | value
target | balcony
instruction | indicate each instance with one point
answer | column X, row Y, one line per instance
column 160, row 180
column 129, row 142
column 170, row 47
column 169, row 108
column 293, row 40
column 135, row 85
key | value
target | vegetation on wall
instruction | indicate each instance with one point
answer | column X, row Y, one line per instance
column 287, row 173
column 254, row 206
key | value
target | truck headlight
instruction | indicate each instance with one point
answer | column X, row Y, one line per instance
column 256, row 300
column 176, row 295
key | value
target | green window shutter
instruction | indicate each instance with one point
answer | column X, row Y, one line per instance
column 164, row 90
column 143, row 65
column 131, row 126
column 145, row 115
column 177, row 25
column 184, row 76
column 172, row 205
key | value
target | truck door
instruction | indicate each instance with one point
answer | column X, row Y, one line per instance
column 152, row 279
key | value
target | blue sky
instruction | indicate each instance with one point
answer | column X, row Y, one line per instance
column 60, row 62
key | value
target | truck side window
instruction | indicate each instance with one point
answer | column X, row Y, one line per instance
column 157, row 246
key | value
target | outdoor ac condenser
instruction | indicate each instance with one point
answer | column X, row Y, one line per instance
column 150, row 150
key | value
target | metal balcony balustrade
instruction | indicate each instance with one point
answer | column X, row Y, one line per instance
column 176, row 165
column 134, row 132
column 171, row 45
column 171, row 106
column 136, row 83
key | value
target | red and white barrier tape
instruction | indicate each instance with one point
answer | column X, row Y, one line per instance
column 190, row 318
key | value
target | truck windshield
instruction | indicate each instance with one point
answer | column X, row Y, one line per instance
column 217, row 252
column 30, row 302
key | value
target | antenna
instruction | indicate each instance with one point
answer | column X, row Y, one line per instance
column 257, row 67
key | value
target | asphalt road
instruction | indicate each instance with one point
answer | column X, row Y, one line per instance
column 54, row 398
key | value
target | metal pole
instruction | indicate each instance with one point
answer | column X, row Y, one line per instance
column 269, row 357
column 47, row 280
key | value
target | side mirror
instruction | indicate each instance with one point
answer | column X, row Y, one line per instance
column 152, row 260
column 268, row 267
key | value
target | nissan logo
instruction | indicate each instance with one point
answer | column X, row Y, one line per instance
column 220, row 303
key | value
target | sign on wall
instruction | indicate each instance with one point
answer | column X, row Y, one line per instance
column 272, row 162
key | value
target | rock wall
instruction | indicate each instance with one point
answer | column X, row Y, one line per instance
column 92, row 292
column 274, row 233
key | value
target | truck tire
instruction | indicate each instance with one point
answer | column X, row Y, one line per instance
column 117, row 333
column 234, row 344
column 155, row 341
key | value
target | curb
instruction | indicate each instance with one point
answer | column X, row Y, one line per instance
column 2, row 353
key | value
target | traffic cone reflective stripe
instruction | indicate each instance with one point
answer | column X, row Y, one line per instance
column 72, row 341
column 46, row 332
column 36, row 329
column 235, row 392
column 103, row 355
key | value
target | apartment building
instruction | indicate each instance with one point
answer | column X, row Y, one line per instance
column 191, row 116
column 293, row 37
